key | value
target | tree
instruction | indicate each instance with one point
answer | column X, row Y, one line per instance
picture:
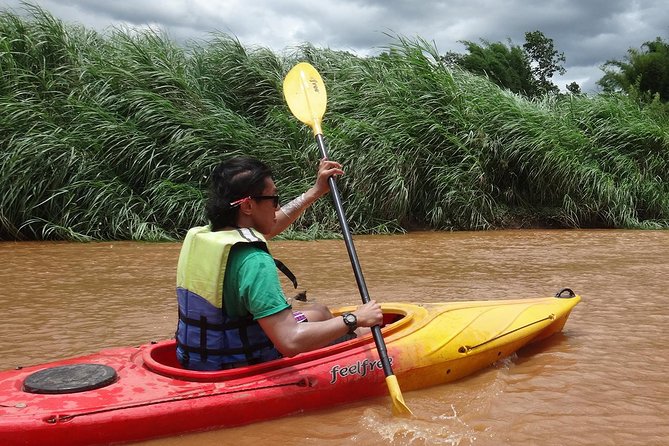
column 526, row 70
column 544, row 60
column 507, row 66
column 644, row 72
column 574, row 88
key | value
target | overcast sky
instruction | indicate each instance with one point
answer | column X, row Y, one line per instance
column 588, row 32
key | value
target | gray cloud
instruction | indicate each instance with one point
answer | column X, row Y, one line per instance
column 588, row 32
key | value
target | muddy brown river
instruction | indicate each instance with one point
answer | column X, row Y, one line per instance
column 603, row 381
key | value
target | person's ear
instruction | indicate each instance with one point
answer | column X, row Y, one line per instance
column 246, row 207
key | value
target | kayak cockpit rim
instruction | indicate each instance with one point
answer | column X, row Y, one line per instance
column 160, row 357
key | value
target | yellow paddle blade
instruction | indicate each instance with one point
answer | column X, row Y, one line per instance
column 305, row 94
column 399, row 407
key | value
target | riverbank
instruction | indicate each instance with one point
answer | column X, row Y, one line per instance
column 111, row 137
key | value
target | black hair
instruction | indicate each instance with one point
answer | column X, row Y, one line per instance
column 232, row 180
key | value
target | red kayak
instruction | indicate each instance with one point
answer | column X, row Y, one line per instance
column 138, row 393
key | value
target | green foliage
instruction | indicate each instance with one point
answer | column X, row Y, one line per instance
column 644, row 73
column 112, row 137
column 526, row 70
column 545, row 62
column 574, row 88
column 507, row 66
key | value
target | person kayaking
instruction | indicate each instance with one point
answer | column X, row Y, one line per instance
column 232, row 310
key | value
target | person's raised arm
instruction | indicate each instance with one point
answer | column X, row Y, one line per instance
column 288, row 213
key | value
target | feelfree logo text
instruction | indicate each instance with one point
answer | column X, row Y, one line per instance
column 360, row 368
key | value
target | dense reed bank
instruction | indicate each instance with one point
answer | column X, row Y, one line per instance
column 112, row 137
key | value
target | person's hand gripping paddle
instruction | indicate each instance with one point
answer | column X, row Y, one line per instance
column 305, row 94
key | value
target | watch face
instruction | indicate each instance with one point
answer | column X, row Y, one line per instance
column 350, row 319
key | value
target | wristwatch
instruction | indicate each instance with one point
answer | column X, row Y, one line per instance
column 351, row 321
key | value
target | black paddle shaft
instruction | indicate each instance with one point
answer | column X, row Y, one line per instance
column 355, row 263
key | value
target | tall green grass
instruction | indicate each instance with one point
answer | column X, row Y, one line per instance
column 112, row 137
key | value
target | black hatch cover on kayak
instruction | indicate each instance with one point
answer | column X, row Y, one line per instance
column 69, row 379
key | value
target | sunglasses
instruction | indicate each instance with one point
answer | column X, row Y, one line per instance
column 275, row 199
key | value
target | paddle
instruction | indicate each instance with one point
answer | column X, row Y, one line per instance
column 305, row 94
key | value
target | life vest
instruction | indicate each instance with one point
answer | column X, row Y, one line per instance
column 207, row 338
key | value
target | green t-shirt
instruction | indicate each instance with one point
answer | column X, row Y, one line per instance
column 251, row 284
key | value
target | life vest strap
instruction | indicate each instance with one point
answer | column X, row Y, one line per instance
column 202, row 323
column 288, row 273
column 223, row 351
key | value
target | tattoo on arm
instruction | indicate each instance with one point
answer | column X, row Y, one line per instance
column 294, row 207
